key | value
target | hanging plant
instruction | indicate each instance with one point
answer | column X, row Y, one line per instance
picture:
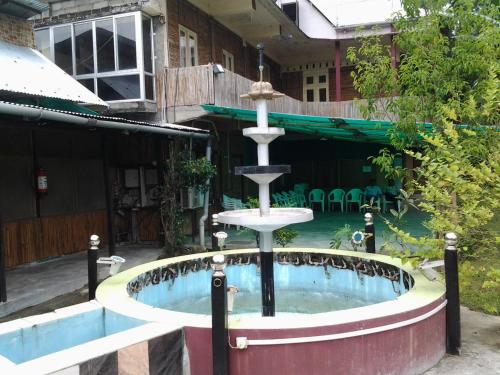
column 195, row 172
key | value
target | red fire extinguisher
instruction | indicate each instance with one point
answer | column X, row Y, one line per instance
column 42, row 186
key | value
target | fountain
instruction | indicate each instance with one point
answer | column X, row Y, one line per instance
column 265, row 219
column 335, row 311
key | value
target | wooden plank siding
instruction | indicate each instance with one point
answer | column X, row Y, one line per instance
column 198, row 85
column 30, row 240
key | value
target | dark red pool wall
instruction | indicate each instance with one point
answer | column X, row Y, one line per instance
column 411, row 349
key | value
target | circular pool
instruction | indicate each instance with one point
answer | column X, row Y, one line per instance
column 336, row 311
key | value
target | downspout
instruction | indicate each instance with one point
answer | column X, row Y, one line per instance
column 204, row 217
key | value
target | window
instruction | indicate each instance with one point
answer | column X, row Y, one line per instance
column 188, row 47
column 42, row 41
column 316, row 86
column 228, row 60
column 111, row 56
column 63, row 53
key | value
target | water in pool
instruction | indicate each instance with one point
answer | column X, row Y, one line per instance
column 287, row 301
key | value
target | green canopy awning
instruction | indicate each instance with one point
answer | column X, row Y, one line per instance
column 354, row 130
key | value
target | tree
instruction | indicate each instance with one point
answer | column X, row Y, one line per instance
column 443, row 98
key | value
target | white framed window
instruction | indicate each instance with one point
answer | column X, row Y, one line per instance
column 315, row 85
column 188, row 47
column 227, row 60
column 112, row 56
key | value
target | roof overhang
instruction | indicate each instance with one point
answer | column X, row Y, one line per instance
column 92, row 121
column 26, row 71
column 254, row 21
column 22, row 8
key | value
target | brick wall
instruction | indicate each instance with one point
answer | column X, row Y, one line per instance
column 212, row 39
column 16, row 31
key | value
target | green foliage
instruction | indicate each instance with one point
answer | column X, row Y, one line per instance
column 252, row 202
column 196, row 172
column 339, row 235
column 447, row 75
column 284, row 236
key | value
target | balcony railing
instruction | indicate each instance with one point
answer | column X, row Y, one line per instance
column 185, row 89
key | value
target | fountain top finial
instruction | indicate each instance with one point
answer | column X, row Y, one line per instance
column 262, row 90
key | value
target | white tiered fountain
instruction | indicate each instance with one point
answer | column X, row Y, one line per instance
column 264, row 219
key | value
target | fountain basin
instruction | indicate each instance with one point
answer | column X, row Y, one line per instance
column 402, row 334
column 278, row 218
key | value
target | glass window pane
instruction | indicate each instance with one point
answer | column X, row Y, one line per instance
column 322, row 78
column 310, row 95
column 309, row 80
column 146, row 43
column 42, row 41
column 149, row 87
column 182, row 48
column 125, row 32
column 105, row 45
column 84, row 47
column 192, row 50
column 88, row 83
column 63, row 56
column 322, row 95
column 119, row 88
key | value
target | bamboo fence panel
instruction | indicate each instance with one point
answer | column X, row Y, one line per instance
column 189, row 86
column 30, row 240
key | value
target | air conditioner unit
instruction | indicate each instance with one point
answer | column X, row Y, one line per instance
column 192, row 198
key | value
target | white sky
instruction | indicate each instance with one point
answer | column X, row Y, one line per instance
column 349, row 12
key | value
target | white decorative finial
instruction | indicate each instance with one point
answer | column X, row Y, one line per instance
column 368, row 218
column 451, row 240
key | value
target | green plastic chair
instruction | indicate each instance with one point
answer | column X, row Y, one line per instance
column 317, row 196
column 354, row 196
column 336, row 196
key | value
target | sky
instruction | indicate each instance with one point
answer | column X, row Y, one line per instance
column 349, row 12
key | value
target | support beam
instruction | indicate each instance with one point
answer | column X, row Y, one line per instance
column 338, row 63
column 108, row 194
column 3, row 282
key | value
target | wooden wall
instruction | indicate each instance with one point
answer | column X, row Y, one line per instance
column 29, row 240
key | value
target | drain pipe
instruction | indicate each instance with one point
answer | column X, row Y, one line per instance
column 204, row 217
column 37, row 114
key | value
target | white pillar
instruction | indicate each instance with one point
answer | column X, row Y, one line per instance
column 262, row 149
column 264, row 201
column 266, row 242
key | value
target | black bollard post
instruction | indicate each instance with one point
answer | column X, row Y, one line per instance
column 3, row 283
column 453, row 333
column 92, row 255
column 215, row 224
column 370, row 233
column 220, row 348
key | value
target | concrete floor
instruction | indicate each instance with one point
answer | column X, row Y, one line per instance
column 36, row 283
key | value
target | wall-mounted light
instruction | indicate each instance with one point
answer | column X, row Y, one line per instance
column 218, row 69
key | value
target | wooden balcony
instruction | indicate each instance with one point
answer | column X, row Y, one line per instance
column 188, row 88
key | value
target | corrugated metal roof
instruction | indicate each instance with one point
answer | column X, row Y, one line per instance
column 24, row 70
column 22, row 8
column 117, row 119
